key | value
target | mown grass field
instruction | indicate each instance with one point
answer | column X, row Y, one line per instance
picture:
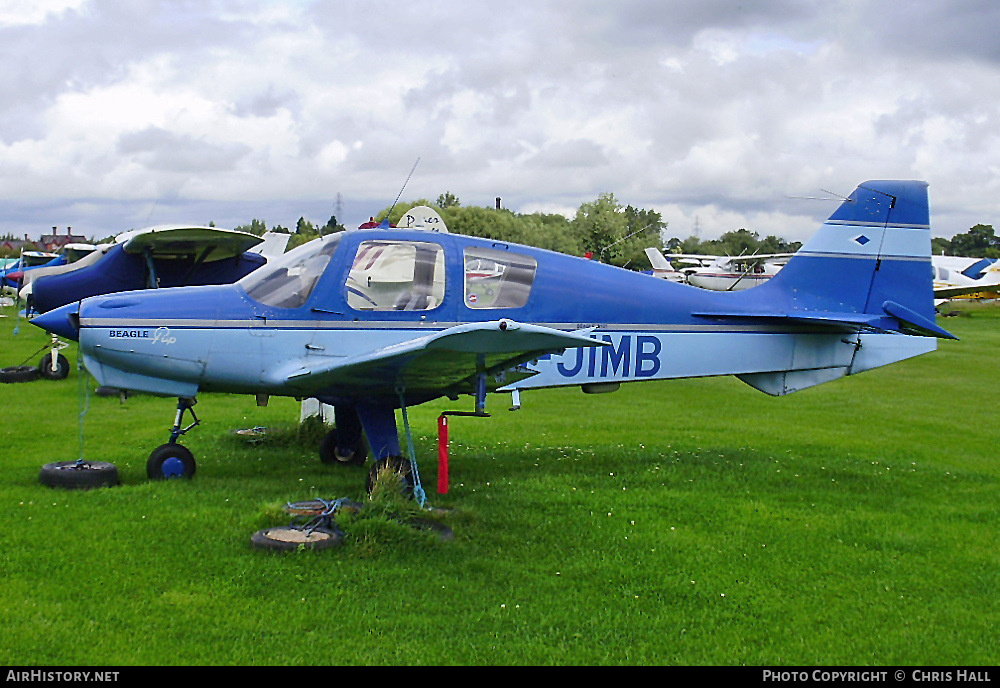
column 696, row 522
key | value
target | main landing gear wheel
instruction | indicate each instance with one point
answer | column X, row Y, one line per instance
column 331, row 453
column 21, row 373
column 170, row 461
column 397, row 468
column 61, row 370
column 79, row 475
column 286, row 538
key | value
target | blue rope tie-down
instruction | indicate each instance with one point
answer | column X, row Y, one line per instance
column 82, row 401
column 418, row 490
column 325, row 519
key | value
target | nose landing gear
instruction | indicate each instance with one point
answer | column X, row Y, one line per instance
column 172, row 460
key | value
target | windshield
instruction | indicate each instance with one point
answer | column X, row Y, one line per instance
column 287, row 281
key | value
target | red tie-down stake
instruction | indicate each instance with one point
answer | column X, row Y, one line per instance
column 443, row 445
column 442, row 454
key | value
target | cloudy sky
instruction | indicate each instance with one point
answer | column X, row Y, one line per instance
column 117, row 114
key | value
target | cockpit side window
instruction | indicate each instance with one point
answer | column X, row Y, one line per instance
column 392, row 275
column 497, row 279
column 288, row 282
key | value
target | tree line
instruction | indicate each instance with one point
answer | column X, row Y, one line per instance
column 978, row 242
column 612, row 232
column 604, row 229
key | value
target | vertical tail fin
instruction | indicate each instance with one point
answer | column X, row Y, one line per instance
column 869, row 263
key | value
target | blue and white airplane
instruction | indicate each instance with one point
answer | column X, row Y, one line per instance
column 375, row 320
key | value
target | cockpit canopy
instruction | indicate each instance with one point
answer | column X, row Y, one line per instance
column 396, row 274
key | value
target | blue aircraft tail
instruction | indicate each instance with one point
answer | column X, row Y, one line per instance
column 868, row 267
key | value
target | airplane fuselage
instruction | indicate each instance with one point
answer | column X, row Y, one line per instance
column 378, row 319
column 222, row 339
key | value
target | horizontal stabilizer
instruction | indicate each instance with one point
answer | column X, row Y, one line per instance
column 851, row 321
column 914, row 323
column 909, row 321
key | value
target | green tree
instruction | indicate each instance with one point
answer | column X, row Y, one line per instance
column 600, row 227
column 596, row 226
column 331, row 226
column 740, row 242
column 303, row 226
column 550, row 231
column 979, row 242
column 447, row 200
column 940, row 246
column 256, row 226
column 488, row 223
column 644, row 229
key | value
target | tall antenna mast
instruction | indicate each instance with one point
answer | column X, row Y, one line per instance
column 401, row 189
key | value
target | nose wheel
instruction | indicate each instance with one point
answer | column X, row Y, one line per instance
column 172, row 460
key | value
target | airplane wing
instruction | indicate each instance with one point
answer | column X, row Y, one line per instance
column 721, row 260
column 206, row 244
column 951, row 291
column 443, row 362
column 693, row 258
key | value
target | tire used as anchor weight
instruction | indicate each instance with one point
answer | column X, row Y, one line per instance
column 170, row 461
column 21, row 373
column 79, row 475
column 288, row 538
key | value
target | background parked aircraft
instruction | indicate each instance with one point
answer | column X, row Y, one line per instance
column 957, row 277
column 718, row 273
column 954, row 276
column 11, row 275
column 161, row 256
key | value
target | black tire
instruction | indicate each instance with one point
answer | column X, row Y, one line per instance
column 45, row 367
column 79, row 475
column 400, row 466
column 21, row 373
column 170, row 461
column 329, row 453
column 290, row 538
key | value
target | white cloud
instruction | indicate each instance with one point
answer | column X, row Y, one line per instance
column 717, row 110
column 27, row 12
